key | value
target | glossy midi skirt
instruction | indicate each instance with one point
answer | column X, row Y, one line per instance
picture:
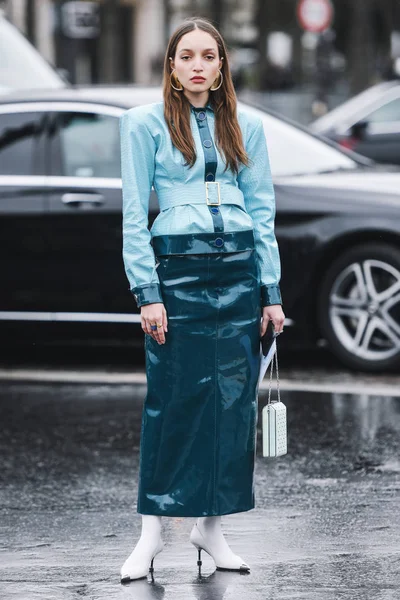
column 198, row 434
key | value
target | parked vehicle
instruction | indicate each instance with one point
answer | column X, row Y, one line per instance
column 337, row 224
column 21, row 65
column 369, row 123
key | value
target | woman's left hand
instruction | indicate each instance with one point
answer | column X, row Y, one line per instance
column 274, row 313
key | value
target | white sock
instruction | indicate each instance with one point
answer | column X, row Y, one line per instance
column 151, row 527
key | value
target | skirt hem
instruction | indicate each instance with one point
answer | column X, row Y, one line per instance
column 195, row 515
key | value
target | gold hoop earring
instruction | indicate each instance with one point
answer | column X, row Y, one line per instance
column 220, row 83
column 172, row 85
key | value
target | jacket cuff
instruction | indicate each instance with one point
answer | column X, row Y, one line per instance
column 147, row 294
column 270, row 294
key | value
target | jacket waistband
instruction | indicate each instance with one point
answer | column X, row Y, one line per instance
column 196, row 193
column 203, row 243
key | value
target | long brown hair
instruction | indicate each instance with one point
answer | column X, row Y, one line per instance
column 228, row 135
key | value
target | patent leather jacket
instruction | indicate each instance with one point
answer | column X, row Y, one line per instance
column 243, row 201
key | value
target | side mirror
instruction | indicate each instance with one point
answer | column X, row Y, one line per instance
column 359, row 130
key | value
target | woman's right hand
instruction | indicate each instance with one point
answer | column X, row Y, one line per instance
column 151, row 314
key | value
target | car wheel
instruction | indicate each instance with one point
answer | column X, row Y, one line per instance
column 359, row 307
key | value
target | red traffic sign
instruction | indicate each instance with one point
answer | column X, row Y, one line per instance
column 315, row 15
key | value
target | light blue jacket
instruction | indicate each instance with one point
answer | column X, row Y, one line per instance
column 148, row 158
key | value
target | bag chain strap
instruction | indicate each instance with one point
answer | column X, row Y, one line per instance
column 274, row 356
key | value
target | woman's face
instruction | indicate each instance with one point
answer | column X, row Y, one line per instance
column 196, row 61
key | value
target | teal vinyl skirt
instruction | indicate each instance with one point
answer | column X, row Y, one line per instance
column 198, row 435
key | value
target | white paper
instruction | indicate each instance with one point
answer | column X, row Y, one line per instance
column 265, row 361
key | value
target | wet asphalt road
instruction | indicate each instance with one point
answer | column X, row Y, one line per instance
column 326, row 523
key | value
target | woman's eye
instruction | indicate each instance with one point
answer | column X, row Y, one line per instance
column 210, row 56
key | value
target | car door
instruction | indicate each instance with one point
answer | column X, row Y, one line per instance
column 85, row 204
column 23, row 247
column 380, row 139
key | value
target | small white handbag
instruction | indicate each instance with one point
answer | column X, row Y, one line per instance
column 274, row 425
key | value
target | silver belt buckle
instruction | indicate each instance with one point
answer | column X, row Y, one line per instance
column 219, row 194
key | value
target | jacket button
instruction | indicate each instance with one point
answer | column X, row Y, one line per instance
column 207, row 143
column 214, row 211
column 209, row 177
column 201, row 116
column 219, row 242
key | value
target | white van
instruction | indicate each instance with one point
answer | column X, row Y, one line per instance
column 21, row 65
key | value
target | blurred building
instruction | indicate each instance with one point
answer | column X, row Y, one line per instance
column 124, row 40
column 94, row 40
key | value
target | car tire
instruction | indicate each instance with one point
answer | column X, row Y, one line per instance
column 359, row 307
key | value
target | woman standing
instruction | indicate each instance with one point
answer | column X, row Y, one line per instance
column 204, row 276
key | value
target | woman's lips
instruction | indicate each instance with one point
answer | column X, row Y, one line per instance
column 198, row 79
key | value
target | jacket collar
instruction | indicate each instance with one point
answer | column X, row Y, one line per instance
column 198, row 108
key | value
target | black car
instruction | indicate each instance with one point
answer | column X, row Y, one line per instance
column 368, row 123
column 337, row 224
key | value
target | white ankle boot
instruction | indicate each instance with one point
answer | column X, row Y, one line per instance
column 216, row 546
column 137, row 566
column 140, row 562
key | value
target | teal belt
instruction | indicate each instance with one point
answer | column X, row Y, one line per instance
column 211, row 193
column 203, row 243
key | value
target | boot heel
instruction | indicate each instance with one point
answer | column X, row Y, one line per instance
column 199, row 561
column 151, row 569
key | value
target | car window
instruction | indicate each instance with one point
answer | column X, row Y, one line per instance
column 19, row 137
column 293, row 151
column 387, row 113
column 89, row 145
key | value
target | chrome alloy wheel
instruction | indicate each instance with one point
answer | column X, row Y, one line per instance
column 364, row 309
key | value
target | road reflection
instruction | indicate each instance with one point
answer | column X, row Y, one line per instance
column 323, row 518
